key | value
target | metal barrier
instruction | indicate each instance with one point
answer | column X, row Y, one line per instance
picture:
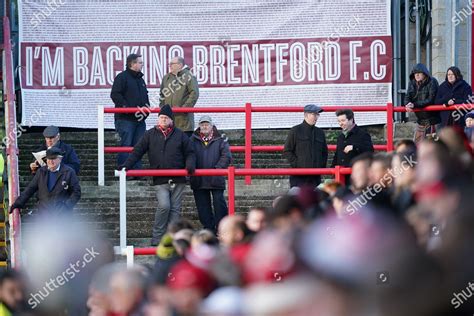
column 248, row 110
column 12, row 147
column 230, row 172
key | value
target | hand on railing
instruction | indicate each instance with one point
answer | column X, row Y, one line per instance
column 12, row 208
column 191, row 170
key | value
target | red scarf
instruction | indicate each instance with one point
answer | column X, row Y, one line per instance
column 208, row 138
column 166, row 131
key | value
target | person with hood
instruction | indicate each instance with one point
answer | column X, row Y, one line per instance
column 179, row 88
column 129, row 90
column 454, row 90
column 168, row 148
column 212, row 152
column 421, row 92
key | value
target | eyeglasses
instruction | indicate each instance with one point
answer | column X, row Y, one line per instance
column 172, row 64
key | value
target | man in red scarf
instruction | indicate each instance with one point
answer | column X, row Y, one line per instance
column 168, row 148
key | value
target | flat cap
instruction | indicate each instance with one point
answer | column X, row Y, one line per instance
column 51, row 131
column 205, row 118
column 53, row 153
column 313, row 108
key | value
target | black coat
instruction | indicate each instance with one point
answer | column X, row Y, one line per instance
column 305, row 147
column 359, row 139
column 423, row 95
column 65, row 194
column 215, row 155
column 129, row 90
column 70, row 157
column 460, row 91
column 174, row 152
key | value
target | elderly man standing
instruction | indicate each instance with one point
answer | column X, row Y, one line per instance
column 179, row 88
column 306, row 147
column 168, row 148
column 52, row 138
column 129, row 90
column 57, row 186
column 212, row 152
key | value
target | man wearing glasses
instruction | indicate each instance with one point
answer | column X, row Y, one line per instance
column 306, row 147
column 179, row 88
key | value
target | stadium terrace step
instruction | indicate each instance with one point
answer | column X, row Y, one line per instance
column 99, row 206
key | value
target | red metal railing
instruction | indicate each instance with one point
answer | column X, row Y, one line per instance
column 231, row 173
column 247, row 149
column 12, row 147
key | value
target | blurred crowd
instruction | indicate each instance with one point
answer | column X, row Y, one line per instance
column 396, row 241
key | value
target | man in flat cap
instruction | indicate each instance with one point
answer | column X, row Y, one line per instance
column 306, row 147
column 52, row 138
column 168, row 148
column 212, row 152
column 57, row 186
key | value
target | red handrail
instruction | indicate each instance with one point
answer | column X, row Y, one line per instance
column 12, row 147
column 236, row 149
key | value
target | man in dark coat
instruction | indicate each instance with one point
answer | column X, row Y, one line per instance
column 212, row 152
column 52, row 138
column 454, row 90
column 421, row 92
column 129, row 90
column 352, row 142
column 306, row 147
column 168, row 148
column 57, row 186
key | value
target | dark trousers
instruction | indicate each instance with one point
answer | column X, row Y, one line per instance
column 209, row 219
column 130, row 132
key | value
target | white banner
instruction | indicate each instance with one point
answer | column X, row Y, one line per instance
column 268, row 53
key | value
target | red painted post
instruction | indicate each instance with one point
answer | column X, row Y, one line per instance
column 248, row 141
column 231, row 189
column 389, row 126
column 337, row 174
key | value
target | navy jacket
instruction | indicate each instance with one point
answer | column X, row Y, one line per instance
column 70, row 157
column 423, row 95
column 64, row 195
column 359, row 139
column 174, row 152
column 129, row 90
column 215, row 155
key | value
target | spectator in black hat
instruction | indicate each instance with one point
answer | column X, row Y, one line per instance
column 306, row 147
column 168, row 148
column 52, row 138
column 212, row 152
column 57, row 186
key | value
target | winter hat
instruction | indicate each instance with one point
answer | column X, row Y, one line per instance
column 166, row 249
column 166, row 110
column 470, row 115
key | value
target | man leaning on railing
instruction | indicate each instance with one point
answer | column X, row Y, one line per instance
column 168, row 148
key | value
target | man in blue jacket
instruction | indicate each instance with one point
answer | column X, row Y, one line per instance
column 168, row 148
column 57, row 186
column 129, row 90
column 52, row 138
column 212, row 152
